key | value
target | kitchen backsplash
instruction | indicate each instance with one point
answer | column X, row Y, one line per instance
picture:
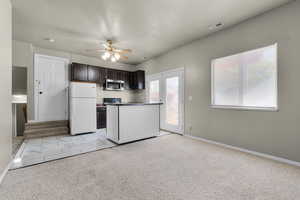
column 140, row 96
column 126, row 95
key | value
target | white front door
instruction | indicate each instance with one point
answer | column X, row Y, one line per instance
column 51, row 85
column 168, row 87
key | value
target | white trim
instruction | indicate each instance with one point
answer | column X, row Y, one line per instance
column 3, row 174
column 245, row 108
column 149, row 78
column 32, row 121
column 160, row 76
column 181, row 75
column 263, row 155
column 35, row 75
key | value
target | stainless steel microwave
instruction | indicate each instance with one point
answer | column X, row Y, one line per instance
column 114, row 85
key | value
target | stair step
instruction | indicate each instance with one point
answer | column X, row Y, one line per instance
column 41, row 130
column 47, row 134
column 49, row 123
column 44, row 126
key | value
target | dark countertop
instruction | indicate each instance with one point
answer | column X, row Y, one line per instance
column 100, row 105
column 134, row 104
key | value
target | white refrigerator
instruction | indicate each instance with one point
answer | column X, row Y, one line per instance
column 82, row 108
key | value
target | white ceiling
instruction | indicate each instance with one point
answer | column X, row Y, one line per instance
column 149, row 27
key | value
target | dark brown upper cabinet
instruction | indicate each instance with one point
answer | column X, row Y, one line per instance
column 141, row 79
column 112, row 74
column 96, row 74
column 126, row 78
column 102, row 74
column 137, row 80
column 93, row 74
column 115, row 74
column 79, row 72
column 87, row 73
column 119, row 75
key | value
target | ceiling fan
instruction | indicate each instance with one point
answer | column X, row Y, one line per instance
column 111, row 52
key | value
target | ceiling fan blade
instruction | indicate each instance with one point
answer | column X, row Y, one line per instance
column 124, row 57
column 105, row 45
column 127, row 50
column 123, row 50
column 95, row 50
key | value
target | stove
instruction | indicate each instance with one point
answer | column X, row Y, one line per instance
column 111, row 100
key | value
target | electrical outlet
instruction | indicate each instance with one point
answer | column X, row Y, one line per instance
column 190, row 98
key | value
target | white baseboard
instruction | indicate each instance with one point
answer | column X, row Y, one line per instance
column 2, row 175
column 263, row 155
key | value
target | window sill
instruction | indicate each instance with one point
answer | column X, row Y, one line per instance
column 271, row 109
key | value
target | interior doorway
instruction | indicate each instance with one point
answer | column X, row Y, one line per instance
column 19, row 106
column 168, row 87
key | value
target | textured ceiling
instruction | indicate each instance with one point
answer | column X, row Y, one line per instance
column 148, row 27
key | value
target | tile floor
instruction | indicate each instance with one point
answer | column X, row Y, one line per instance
column 45, row 149
column 162, row 133
column 39, row 150
column 16, row 144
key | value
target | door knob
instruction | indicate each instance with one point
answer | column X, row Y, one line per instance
column 41, row 92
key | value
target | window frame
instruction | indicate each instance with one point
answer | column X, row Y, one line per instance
column 253, row 108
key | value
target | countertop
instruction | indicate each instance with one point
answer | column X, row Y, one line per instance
column 134, row 104
column 19, row 98
column 100, row 105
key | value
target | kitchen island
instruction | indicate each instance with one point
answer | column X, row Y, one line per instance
column 127, row 122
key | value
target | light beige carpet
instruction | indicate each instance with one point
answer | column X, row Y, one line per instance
column 164, row 168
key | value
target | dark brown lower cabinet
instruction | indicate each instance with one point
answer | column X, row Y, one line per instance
column 101, row 117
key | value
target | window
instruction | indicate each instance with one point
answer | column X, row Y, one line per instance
column 154, row 91
column 172, row 100
column 246, row 81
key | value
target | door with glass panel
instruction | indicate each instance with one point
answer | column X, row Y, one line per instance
column 168, row 87
column 154, row 88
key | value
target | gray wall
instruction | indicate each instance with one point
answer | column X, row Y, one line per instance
column 5, row 84
column 19, row 80
column 275, row 133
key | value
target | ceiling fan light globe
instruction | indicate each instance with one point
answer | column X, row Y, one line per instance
column 107, row 54
column 113, row 59
column 104, row 57
column 117, row 56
